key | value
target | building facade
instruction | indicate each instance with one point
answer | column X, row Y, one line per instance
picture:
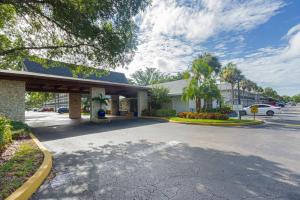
column 176, row 90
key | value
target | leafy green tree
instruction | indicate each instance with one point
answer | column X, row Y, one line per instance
column 286, row 98
column 159, row 96
column 270, row 92
column 101, row 34
column 296, row 98
column 37, row 99
column 150, row 76
column 145, row 77
column 231, row 74
column 210, row 91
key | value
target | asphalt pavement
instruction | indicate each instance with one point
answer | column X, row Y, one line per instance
column 149, row 159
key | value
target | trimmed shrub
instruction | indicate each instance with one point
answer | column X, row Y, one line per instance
column 206, row 115
column 165, row 113
column 5, row 132
column 223, row 110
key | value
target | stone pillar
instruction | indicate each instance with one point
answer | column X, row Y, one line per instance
column 95, row 92
column 12, row 99
column 74, row 106
column 114, row 104
column 142, row 102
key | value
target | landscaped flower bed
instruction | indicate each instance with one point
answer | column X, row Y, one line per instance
column 20, row 157
column 195, row 115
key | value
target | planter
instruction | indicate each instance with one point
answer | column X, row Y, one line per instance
column 101, row 114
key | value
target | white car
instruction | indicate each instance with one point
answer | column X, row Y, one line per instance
column 263, row 109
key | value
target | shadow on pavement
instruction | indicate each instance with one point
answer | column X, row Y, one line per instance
column 171, row 170
column 77, row 129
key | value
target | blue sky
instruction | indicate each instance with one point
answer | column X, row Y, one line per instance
column 261, row 36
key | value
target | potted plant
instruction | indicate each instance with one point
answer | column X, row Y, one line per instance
column 102, row 100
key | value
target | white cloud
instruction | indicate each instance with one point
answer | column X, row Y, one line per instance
column 174, row 31
column 276, row 67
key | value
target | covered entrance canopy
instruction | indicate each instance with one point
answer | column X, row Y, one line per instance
column 13, row 85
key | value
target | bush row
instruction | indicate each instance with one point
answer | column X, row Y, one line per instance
column 5, row 132
column 202, row 115
column 223, row 110
column 160, row 113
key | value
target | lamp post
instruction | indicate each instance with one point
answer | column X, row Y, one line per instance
column 239, row 96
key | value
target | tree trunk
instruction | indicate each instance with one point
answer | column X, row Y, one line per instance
column 244, row 98
column 198, row 104
column 232, row 93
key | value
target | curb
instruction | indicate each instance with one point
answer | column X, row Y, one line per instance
column 34, row 182
column 257, row 122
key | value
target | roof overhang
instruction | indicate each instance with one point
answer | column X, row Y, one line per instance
column 51, row 83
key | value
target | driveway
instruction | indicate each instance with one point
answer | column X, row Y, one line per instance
column 148, row 159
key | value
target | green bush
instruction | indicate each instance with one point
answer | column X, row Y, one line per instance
column 223, row 110
column 202, row 115
column 5, row 132
column 19, row 130
column 159, row 113
column 165, row 113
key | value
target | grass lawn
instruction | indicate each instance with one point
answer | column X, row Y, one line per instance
column 230, row 120
column 19, row 168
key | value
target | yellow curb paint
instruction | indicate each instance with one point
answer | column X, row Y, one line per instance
column 33, row 183
column 219, row 124
column 208, row 124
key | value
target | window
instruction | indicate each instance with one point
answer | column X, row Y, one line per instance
column 263, row 106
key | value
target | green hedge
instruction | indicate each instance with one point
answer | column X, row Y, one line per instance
column 165, row 113
column 5, row 133
column 222, row 110
column 160, row 113
column 195, row 115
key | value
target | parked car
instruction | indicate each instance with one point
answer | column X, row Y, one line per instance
column 45, row 109
column 63, row 110
column 280, row 104
column 264, row 109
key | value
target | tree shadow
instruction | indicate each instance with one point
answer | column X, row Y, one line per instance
column 73, row 130
column 172, row 170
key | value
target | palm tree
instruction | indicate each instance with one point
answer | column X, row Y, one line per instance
column 212, row 61
column 231, row 74
column 244, row 84
column 200, row 73
column 102, row 100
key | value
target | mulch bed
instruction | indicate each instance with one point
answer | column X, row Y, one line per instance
column 18, row 162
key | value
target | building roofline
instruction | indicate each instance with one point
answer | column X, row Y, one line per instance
column 15, row 75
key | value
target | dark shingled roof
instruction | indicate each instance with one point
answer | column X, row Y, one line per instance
column 114, row 77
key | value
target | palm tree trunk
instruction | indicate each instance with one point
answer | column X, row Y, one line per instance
column 198, row 104
column 244, row 97
column 232, row 93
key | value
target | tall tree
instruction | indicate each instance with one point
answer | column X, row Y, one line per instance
column 159, row 96
column 212, row 61
column 86, row 33
column 148, row 76
column 201, row 84
column 244, row 85
column 151, row 76
column 296, row 98
column 37, row 99
column 270, row 92
column 231, row 74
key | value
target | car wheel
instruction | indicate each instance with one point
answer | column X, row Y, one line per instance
column 270, row 113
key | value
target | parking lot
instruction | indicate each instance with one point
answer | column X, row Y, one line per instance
column 149, row 159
